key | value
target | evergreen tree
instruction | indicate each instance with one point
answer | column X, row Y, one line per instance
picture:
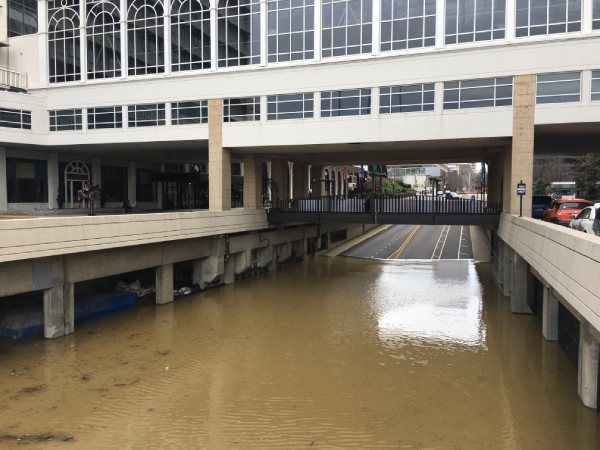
column 539, row 187
column 587, row 172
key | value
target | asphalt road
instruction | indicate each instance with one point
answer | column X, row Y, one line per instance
column 416, row 242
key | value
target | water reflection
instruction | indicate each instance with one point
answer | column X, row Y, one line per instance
column 430, row 304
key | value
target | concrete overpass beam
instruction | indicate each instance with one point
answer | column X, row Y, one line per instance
column 219, row 160
column 587, row 385
column 164, row 284
column 550, row 316
column 522, row 286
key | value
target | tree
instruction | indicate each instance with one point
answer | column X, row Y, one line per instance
column 587, row 173
column 539, row 187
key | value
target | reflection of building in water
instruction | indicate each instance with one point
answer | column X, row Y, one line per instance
column 432, row 309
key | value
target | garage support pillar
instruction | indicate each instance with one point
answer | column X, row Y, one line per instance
column 587, row 385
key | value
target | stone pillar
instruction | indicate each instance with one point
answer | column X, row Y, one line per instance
column 131, row 183
column 550, row 316
column 219, row 160
column 522, row 286
column 3, row 182
column 252, row 181
column 522, row 142
column 587, row 382
column 55, row 302
column 164, row 284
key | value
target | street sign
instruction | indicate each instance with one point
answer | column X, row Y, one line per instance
column 521, row 188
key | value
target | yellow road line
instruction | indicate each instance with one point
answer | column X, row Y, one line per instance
column 404, row 244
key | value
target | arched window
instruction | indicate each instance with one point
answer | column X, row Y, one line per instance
column 103, row 39
column 238, row 32
column 145, row 37
column 63, row 41
column 347, row 27
column 291, row 25
column 190, row 35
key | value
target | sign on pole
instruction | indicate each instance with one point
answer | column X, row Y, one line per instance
column 521, row 188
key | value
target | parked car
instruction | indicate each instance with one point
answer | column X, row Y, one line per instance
column 539, row 203
column 451, row 195
column 559, row 210
column 584, row 221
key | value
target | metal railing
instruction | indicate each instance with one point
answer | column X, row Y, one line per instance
column 12, row 78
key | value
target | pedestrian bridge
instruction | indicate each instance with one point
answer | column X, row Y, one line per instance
column 382, row 209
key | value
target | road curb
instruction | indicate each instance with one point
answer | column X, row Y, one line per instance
column 352, row 242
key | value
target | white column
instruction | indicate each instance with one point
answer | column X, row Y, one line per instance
column 214, row 41
column 438, row 97
column 440, row 26
column 131, row 183
column 317, row 105
column 308, row 172
column 168, row 114
column 263, row 33
column 586, row 86
column 263, row 109
column 375, row 101
column 586, row 19
column 317, row 26
column 510, row 20
column 291, row 178
column 375, row 29
column 124, row 59
column 167, row 38
column 3, row 181
column 43, row 42
column 53, row 181
column 82, row 41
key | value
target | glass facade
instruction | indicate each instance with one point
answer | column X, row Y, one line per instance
column 407, row 24
column 241, row 109
column 63, row 41
column 397, row 99
column 595, row 85
column 346, row 27
column 22, row 17
column 26, row 180
column 354, row 102
column 486, row 92
column 190, row 35
column 474, row 20
column 108, row 117
column 151, row 115
column 185, row 113
column 290, row 106
column 558, row 88
column 145, row 37
column 65, row 120
column 596, row 15
column 540, row 17
column 15, row 118
column 238, row 30
column 291, row 30
column 103, row 39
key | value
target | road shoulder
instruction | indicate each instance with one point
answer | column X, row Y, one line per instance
column 352, row 242
column 480, row 244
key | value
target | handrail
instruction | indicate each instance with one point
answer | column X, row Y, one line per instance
column 12, row 78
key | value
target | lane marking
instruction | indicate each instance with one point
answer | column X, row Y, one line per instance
column 445, row 230
column 404, row 244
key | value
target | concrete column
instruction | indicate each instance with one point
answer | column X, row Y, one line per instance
column 69, row 304
column 550, row 316
column 252, row 181
column 219, row 160
column 522, row 141
column 54, row 301
column 3, row 182
column 229, row 270
column 522, row 286
column 507, row 270
column 587, row 382
column 500, row 262
column 164, row 284
column 131, row 183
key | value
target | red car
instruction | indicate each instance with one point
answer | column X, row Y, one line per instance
column 559, row 210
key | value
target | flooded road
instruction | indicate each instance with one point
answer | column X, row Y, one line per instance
column 330, row 353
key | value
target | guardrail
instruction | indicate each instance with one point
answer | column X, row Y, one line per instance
column 12, row 78
column 386, row 209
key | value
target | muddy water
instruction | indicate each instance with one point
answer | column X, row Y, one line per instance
column 341, row 353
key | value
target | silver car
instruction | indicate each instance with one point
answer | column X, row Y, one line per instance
column 584, row 220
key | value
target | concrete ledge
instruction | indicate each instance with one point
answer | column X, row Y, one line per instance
column 566, row 259
column 39, row 237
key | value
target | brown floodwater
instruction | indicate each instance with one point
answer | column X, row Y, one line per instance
column 329, row 353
